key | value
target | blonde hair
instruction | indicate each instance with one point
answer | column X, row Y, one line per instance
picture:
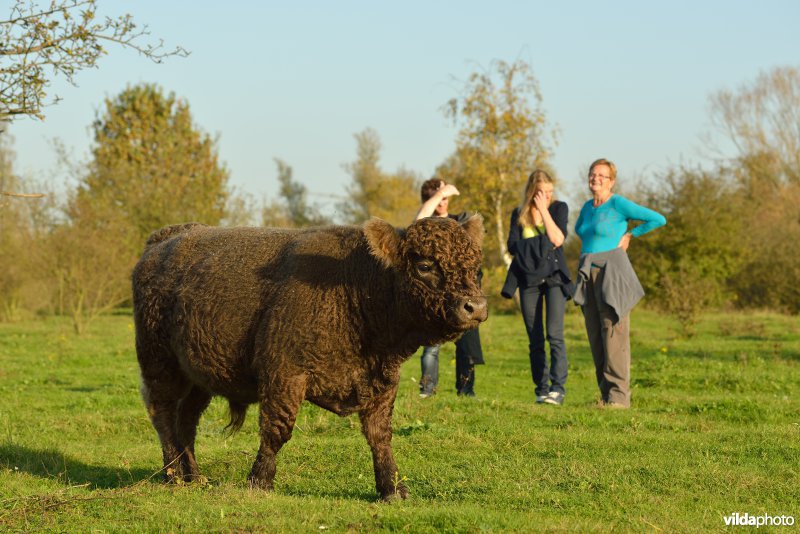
column 536, row 178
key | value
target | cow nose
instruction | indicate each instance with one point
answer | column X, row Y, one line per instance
column 476, row 308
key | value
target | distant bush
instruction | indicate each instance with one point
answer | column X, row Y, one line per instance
column 725, row 243
column 770, row 277
column 701, row 247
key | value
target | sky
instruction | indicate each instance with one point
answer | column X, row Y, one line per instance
column 626, row 80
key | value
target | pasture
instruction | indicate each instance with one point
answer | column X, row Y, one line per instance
column 715, row 430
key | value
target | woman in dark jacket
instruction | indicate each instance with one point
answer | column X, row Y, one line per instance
column 538, row 230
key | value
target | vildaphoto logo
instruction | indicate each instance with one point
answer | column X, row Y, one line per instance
column 747, row 520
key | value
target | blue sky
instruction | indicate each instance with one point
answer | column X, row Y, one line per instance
column 295, row 80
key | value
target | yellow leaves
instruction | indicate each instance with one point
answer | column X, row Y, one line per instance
column 500, row 142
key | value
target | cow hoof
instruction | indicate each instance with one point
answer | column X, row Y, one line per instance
column 196, row 479
column 173, row 476
column 400, row 494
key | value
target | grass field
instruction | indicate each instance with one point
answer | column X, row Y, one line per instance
column 715, row 429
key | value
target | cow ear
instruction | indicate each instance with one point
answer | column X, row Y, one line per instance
column 383, row 240
column 474, row 228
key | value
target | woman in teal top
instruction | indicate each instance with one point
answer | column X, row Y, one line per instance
column 603, row 228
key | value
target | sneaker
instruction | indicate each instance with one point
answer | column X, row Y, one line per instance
column 554, row 397
column 616, row 406
column 540, row 399
column 425, row 395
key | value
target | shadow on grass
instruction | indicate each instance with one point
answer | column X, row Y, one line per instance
column 55, row 465
column 342, row 493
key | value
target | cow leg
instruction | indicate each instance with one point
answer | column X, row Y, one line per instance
column 376, row 424
column 190, row 408
column 161, row 398
column 280, row 402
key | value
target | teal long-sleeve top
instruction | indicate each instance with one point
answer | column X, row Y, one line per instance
column 601, row 228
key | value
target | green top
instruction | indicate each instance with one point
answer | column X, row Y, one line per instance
column 532, row 231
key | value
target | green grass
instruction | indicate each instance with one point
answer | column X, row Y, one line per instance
column 715, row 429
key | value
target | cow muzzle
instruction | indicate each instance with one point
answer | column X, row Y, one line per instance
column 472, row 310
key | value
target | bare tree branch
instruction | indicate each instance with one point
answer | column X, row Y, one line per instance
column 64, row 39
column 54, row 9
column 21, row 195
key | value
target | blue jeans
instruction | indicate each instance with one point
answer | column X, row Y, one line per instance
column 465, row 371
column 430, row 370
column 532, row 301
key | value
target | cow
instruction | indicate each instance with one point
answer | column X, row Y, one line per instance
column 279, row 316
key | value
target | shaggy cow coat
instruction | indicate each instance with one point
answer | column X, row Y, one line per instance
column 275, row 317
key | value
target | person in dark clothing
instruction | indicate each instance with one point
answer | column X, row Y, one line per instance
column 536, row 234
column 435, row 194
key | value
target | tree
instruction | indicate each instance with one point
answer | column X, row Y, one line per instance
column 12, row 270
column 89, row 263
column 241, row 209
column 503, row 138
column 373, row 193
column 690, row 265
column 761, row 120
column 151, row 166
column 771, row 274
column 704, row 210
column 59, row 39
column 366, row 174
column 298, row 213
column 24, row 219
column 274, row 215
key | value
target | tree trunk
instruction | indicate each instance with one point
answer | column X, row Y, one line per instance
column 505, row 257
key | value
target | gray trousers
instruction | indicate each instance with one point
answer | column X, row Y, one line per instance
column 610, row 342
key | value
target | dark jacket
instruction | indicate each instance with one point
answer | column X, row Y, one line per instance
column 536, row 260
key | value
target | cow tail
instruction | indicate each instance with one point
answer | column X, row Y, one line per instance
column 238, row 413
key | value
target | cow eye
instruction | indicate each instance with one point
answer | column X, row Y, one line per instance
column 427, row 271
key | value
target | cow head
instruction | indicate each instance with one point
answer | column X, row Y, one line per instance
column 437, row 261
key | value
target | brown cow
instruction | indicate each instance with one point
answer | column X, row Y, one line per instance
column 276, row 317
